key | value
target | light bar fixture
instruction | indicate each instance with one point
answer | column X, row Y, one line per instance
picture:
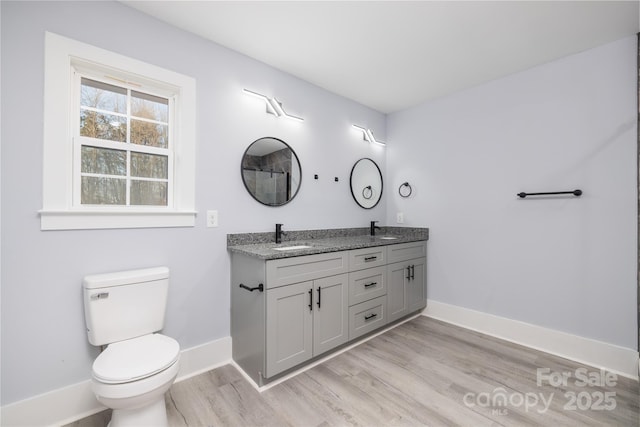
column 273, row 106
column 367, row 135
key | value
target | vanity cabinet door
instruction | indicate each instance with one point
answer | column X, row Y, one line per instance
column 417, row 286
column 289, row 326
column 330, row 321
column 406, row 292
column 397, row 299
column 304, row 320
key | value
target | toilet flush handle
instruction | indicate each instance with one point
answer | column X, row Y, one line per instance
column 101, row 295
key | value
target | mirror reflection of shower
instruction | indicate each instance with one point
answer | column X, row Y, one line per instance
column 270, row 187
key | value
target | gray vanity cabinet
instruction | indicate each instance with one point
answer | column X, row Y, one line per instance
column 308, row 305
column 406, row 275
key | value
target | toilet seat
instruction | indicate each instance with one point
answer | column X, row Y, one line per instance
column 135, row 359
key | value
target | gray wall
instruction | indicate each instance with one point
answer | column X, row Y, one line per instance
column 44, row 344
column 568, row 264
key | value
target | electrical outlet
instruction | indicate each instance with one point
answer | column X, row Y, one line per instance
column 212, row 218
column 400, row 218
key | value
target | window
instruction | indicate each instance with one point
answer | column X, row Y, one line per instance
column 124, row 146
column 122, row 154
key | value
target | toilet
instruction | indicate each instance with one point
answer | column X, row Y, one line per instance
column 124, row 311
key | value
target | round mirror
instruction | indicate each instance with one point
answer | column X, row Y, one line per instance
column 271, row 171
column 366, row 183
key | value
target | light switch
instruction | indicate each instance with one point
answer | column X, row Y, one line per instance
column 212, row 218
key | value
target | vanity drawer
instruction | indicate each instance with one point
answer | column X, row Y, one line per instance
column 286, row 271
column 367, row 284
column 367, row 316
column 406, row 251
column 367, row 257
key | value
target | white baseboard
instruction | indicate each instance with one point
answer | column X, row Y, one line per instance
column 619, row 360
column 197, row 360
column 54, row 408
column 74, row 402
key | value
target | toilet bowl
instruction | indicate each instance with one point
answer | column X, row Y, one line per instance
column 137, row 367
column 132, row 376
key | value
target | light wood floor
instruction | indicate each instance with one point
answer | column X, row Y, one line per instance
column 423, row 372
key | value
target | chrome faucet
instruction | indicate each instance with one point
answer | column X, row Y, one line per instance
column 374, row 227
column 279, row 233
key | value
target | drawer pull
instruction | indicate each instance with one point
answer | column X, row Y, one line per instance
column 368, row 285
column 370, row 316
column 370, row 258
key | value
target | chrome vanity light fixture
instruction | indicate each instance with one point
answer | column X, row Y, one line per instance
column 367, row 135
column 273, row 106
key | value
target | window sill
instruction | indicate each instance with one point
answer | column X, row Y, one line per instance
column 92, row 220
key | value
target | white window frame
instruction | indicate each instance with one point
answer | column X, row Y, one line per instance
column 62, row 56
column 89, row 71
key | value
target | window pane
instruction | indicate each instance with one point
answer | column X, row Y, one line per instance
column 103, row 96
column 148, row 193
column 145, row 133
column 103, row 191
column 149, row 107
column 103, row 126
column 104, row 161
column 149, row 165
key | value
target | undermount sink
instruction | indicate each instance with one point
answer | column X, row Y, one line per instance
column 292, row 248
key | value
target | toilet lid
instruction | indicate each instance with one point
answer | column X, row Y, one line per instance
column 135, row 359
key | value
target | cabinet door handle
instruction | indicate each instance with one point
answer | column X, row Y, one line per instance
column 370, row 258
column 368, row 285
column 370, row 316
column 319, row 294
column 310, row 299
column 413, row 269
column 408, row 273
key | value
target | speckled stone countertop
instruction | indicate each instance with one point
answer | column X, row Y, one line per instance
column 261, row 245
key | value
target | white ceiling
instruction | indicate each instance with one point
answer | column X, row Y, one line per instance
column 391, row 55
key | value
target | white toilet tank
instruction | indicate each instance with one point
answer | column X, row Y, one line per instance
column 123, row 305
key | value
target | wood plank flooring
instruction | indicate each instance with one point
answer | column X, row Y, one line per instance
column 423, row 372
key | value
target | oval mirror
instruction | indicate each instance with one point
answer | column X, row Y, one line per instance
column 271, row 171
column 366, row 183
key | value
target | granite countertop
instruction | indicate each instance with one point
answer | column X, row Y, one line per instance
column 261, row 245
